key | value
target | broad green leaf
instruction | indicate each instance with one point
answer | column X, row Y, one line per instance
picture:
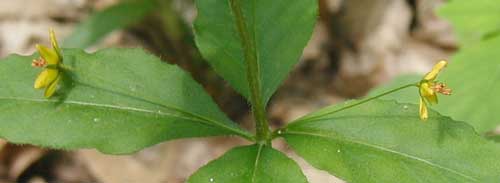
column 276, row 32
column 384, row 141
column 473, row 20
column 250, row 164
column 115, row 100
column 98, row 25
column 474, row 76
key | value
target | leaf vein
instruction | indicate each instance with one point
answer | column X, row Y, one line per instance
column 256, row 163
column 194, row 116
column 116, row 107
column 386, row 150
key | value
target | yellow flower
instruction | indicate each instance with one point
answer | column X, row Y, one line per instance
column 51, row 60
column 428, row 88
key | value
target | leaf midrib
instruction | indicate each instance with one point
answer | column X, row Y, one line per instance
column 193, row 115
column 384, row 150
column 117, row 107
column 256, row 163
column 201, row 118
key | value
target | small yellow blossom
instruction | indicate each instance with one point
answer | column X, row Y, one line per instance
column 428, row 88
column 51, row 60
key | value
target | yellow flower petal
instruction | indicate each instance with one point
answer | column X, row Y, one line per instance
column 426, row 90
column 46, row 77
column 428, row 93
column 435, row 70
column 432, row 99
column 53, row 41
column 49, row 91
column 424, row 115
column 49, row 55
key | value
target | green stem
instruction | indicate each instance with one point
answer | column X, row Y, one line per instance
column 368, row 99
column 277, row 132
column 253, row 75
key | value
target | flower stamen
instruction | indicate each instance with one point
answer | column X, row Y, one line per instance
column 40, row 62
column 441, row 88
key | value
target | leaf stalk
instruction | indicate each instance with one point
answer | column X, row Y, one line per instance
column 277, row 132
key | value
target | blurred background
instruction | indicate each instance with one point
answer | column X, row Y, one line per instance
column 356, row 46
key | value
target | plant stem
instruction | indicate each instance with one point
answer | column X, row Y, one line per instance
column 368, row 99
column 275, row 133
column 253, row 75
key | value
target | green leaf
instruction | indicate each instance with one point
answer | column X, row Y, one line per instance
column 100, row 24
column 384, row 141
column 271, row 33
column 474, row 76
column 115, row 100
column 250, row 164
column 473, row 21
column 495, row 138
